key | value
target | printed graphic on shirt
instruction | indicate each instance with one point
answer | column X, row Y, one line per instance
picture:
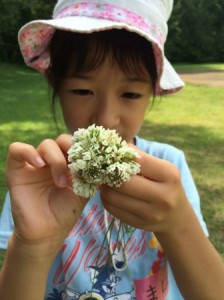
column 154, row 286
column 86, row 273
column 104, row 284
column 105, row 281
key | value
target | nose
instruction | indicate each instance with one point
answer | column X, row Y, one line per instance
column 107, row 112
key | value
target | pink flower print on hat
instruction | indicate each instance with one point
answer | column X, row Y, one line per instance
column 148, row 18
column 113, row 13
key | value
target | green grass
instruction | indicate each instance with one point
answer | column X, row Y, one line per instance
column 199, row 67
column 24, row 111
column 191, row 120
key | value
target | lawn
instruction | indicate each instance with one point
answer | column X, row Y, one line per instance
column 191, row 120
column 199, row 67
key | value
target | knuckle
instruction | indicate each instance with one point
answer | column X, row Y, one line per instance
column 159, row 217
column 64, row 141
column 168, row 200
column 174, row 174
column 170, row 203
column 49, row 151
column 63, row 136
column 18, row 147
column 156, row 218
column 47, row 142
column 13, row 146
column 44, row 147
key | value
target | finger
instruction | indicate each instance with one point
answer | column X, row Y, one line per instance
column 156, row 169
column 64, row 142
column 20, row 153
column 113, row 198
column 124, row 215
column 133, row 211
column 164, row 195
column 53, row 156
column 138, row 187
column 126, row 202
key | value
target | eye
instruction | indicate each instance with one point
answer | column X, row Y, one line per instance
column 131, row 96
column 81, row 92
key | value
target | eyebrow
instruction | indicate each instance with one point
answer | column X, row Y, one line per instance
column 125, row 79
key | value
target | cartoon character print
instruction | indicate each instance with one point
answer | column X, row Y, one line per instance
column 105, row 280
column 55, row 295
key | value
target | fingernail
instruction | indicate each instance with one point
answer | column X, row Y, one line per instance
column 63, row 180
column 39, row 161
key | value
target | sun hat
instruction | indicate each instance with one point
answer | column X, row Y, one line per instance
column 147, row 18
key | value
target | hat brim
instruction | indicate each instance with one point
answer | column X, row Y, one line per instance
column 42, row 30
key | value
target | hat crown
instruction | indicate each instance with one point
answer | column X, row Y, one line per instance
column 154, row 11
column 147, row 18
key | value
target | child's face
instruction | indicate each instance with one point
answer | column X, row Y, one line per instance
column 106, row 97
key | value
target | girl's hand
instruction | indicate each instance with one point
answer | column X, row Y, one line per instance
column 153, row 200
column 44, row 206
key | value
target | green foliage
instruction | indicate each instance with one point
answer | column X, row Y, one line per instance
column 196, row 31
column 14, row 14
column 196, row 28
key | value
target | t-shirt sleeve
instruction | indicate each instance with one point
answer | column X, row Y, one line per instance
column 6, row 223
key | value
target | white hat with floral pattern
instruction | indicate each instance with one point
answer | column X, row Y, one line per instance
column 147, row 18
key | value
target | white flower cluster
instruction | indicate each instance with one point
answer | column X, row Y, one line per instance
column 99, row 156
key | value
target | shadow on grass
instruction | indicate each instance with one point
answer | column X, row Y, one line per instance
column 202, row 146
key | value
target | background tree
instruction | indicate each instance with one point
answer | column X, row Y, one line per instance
column 196, row 32
column 14, row 14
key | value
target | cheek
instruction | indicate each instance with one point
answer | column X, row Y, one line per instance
column 138, row 113
column 67, row 111
column 69, row 117
column 75, row 117
column 137, row 119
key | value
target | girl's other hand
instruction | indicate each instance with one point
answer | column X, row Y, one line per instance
column 153, row 200
column 44, row 206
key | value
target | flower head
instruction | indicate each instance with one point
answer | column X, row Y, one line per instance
column 100, row 156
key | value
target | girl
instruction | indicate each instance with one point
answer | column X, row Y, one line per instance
column 104, row 60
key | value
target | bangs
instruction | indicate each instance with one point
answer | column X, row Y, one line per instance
column 97, row 47
column 72, row 53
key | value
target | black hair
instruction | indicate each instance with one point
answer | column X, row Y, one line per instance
column 72, row 52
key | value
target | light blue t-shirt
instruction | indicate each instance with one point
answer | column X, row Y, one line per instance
column 139, row 270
